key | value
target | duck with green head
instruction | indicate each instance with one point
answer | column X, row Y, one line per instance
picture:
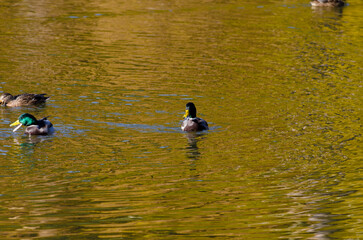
column 25, row 99
column 191, row 122
column 34, row 126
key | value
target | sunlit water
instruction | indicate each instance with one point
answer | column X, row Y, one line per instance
column 278, row 81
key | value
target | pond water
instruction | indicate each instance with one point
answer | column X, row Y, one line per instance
column 279, row 83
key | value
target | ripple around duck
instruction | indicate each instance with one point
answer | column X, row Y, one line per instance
column 139, row 127
column 146, row 127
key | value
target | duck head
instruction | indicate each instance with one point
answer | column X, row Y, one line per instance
column 5, row 98
column 190, row 110
column 25, row 119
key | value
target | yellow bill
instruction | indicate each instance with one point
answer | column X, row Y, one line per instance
column 15, row 123
column 186, row 113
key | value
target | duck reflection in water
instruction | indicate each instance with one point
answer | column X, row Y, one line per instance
column 27, row 144
column 193, row 153
column 31, row 141
column 192, row 149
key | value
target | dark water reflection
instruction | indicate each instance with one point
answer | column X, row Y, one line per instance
column 192, row 148
column 278, row 82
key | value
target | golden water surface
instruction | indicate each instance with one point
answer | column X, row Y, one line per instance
column 279, row 83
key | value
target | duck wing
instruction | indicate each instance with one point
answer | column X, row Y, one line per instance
column 202, row 124
column 30, row 99
column 44, row 127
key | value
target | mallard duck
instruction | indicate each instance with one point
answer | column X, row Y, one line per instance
column 327, row 3
column 191, row 121
column 25, row 99
column 34, row 126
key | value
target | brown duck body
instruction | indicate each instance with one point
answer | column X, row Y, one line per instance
column 26, row 99
column 194, row 124
column 327, row 3
column 44, row 127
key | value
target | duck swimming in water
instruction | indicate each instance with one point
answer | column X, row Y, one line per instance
column 191, row 121
column 327, row 3
column 26, row 99
column 34, row 126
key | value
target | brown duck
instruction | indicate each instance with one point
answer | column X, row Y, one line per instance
column 26, row 99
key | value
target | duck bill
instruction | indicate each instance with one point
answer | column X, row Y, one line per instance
column 15, row 124
column 186, row 113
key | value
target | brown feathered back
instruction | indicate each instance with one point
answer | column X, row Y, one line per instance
column 26, row 99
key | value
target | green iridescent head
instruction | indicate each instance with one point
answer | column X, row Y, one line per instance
column 25, row 119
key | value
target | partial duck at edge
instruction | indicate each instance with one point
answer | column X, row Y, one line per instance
column 25, row 99
column 327, row 3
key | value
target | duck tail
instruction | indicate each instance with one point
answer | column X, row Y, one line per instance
column 43, row 95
